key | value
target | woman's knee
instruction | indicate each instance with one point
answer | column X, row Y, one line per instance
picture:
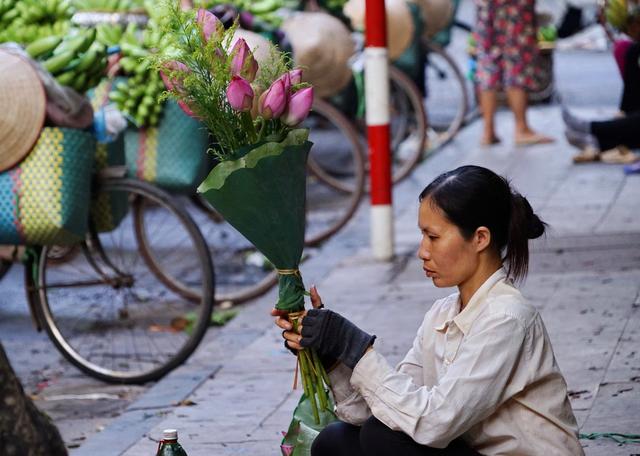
column 376, row 438
column 337, row 439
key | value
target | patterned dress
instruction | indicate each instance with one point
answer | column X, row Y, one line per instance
column 507, row 44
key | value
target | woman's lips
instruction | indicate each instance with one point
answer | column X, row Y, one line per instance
column 429, row 272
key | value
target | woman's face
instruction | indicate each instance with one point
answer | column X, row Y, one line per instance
column 447, row 258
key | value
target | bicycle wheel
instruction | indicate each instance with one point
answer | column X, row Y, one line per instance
column 336, row 177
column 447, row 99
column 242, row 273
column 408, row 124
column 108, row 313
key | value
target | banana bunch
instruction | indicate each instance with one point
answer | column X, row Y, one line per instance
column 617, row 14
column 109, row 5
column 25, row 21
column 77, row 61
column 8, row 13
column 138, row 98
column 109, row 34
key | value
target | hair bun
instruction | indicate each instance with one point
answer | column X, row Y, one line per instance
column 535, row 226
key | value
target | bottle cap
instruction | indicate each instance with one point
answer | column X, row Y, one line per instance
column 170, row 434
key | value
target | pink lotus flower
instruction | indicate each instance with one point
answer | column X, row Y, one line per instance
column 209, row 23
column 240, row 94
column 273, row 101
column 243, row 63
column 299, row 106
column 173, row 67
column 295, row 76
column 287, row 449
column 186, row 109
column 286, row 80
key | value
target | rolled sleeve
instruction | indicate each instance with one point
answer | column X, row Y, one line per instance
column 350, row 405
column 476, row 383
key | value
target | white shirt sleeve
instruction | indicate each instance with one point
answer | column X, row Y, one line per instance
column 476, row 383
column 350, row 405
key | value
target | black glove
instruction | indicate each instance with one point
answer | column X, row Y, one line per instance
column 333, row 336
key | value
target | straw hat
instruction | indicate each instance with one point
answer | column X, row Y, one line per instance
column 437, row 15
column 322, row 45
column 23, row 103
column 400, row 26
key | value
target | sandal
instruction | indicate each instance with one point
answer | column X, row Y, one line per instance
column 533, row 140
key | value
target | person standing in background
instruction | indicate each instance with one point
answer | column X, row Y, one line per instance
column 507, row 50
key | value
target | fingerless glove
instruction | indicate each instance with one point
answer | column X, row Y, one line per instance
column 333, row 336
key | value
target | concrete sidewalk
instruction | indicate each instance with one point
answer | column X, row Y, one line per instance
column 234, row 396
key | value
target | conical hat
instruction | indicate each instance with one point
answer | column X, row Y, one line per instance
column 322, row 46
column 23, row 103
column 437, row 15
column 400, row 26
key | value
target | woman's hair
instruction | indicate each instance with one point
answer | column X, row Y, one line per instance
column 473, row 196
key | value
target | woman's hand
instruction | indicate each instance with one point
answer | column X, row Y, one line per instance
column 292, row 338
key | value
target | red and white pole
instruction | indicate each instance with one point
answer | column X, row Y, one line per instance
column 376, row 77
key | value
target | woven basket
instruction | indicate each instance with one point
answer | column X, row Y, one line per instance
column 107, row 209
column 172, row 155
column 43, row 200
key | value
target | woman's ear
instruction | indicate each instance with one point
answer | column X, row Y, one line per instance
column 482, row 238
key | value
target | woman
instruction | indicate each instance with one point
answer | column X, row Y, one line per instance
column 619, row 134
column 481, row 377
column 507, row 50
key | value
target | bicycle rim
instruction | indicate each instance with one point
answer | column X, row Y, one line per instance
column 447, row 99
column 109, row 314
column 336, row 177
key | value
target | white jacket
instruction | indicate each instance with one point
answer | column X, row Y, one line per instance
column 487, row 374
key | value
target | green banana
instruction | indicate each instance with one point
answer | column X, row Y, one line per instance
column 79, row 83
column 56, row 63
column 43, row 46
column 72, row 44
column 87, row 60
column 89, row 38
column 66, row 78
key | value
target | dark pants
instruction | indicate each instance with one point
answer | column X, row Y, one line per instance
column 373, row 438
column 615, row 132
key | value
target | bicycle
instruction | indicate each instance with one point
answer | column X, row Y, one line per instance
column 101, row 306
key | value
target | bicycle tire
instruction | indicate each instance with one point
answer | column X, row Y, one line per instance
column 418, row 114
column 353, row 174
column 118, row 281
column 442, row 132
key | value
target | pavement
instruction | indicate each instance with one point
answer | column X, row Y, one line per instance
column 235, row 397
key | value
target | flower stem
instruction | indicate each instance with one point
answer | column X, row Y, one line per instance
column 307, row 375
column 321, row 368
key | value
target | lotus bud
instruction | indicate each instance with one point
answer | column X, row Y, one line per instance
column 240, row 94
column 286, row 80
column 243, row 63
column 295, row 76
column 209, row 23
column 274, row 100
column 173, row 67
column 299, row 106
column 185, row 107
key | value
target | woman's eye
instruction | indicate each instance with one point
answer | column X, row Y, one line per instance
column 433, row 238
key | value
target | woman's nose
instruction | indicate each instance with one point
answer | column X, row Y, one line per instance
column 423, row 253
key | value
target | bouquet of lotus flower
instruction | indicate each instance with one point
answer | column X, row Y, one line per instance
column 252, row 110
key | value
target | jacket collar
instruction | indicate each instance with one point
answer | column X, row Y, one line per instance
column 464, row 319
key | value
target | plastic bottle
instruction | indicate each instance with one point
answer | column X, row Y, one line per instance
column 169, row 445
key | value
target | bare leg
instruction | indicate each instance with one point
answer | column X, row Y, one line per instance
column 488, row 105
column 517, row 99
